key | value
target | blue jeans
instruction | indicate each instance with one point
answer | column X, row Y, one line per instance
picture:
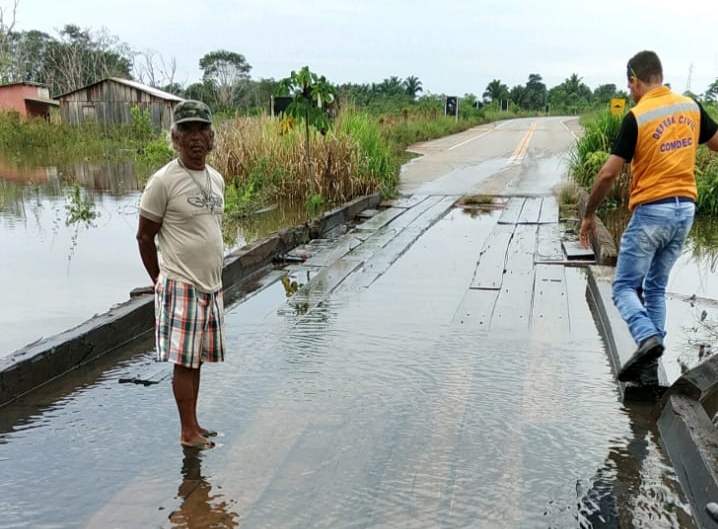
column 650, row 246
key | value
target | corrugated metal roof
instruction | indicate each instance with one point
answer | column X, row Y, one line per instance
column 43, row 100
column 134, row 84
column 150, row 90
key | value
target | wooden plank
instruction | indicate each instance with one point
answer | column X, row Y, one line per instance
column 550, row 315
column 512, row 211
column 414, row 213
column 549, row 243
column 531, row 211
column 492, row 260
column 336, row 251
column 549, row 210
column 379, row 263
column 408, row 201
column 380, row 219
column 513, row 306
column 575, row 252
column 476, row 308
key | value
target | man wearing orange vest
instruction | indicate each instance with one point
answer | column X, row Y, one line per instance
column 659, row 137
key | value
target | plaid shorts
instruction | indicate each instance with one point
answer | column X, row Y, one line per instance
column 189, row 326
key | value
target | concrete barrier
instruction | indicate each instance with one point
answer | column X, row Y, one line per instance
column 44, row 360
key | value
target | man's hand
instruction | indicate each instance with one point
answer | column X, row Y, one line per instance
column 588, row 229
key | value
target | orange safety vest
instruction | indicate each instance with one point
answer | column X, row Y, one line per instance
column 664, row 160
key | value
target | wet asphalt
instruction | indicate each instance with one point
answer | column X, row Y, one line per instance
column 398, row 387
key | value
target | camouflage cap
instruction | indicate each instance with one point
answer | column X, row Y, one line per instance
column 186, row 111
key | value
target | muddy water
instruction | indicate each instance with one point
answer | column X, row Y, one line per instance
column 371, row 409
column 56, row 274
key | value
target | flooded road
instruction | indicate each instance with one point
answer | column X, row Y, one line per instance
column 437, row 367
column 387, row 405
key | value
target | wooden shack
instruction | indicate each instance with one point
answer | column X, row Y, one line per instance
column 110, row 101
column 27, row 99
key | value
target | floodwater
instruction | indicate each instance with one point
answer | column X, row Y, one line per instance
column 56, row 274
column 695, row 271
column 357, row 406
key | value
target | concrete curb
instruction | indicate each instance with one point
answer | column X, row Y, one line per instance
column 42, row 361
column 619, row 342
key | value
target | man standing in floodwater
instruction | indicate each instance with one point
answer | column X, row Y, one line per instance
column 659, row 137
column 183, row 205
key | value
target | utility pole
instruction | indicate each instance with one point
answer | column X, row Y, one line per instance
column 690, row 74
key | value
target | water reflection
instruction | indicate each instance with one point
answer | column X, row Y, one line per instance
column 609, row 499
column 239, row 231
column 201, row 508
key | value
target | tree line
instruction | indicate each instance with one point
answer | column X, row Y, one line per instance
column 77, row 57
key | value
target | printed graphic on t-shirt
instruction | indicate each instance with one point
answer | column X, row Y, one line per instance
column 206, row 204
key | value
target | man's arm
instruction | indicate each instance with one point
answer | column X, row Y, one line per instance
column 146, row 233
column 601, row 186
column 712, row 144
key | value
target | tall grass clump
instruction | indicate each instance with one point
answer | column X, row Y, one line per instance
column 264, row 159
column 591, row 151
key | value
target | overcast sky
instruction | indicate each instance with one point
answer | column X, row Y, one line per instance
column 452, row 46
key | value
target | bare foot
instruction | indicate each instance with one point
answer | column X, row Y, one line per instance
column 199, row 442
column 207, row 433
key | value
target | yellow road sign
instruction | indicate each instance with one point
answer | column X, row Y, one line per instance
column 617, row 106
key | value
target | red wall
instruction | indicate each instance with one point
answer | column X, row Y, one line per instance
column 12, row 97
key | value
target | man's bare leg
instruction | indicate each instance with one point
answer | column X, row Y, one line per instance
column 195, row 383
column 186, row 398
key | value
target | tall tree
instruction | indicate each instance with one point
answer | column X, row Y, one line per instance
column 29, row 49
column 711, row 93
column 604, row 93
column 495, row 91
column 80, row 57
column 535, row 97
column 151, row 68
column 228, row 72
column 518, row 94
column 412, row 85
column 7, row 24
column 391, row 86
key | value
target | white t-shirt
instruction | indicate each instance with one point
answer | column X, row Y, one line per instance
column 190, row 239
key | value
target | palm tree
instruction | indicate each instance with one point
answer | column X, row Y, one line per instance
column 412, row 85
column 495, row 91
column 391, row 86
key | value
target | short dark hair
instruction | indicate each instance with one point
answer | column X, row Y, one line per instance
column 645, row 66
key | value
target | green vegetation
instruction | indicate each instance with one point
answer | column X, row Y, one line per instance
column 47, row 143
column 592, row 150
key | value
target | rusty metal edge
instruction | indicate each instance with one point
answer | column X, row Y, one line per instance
column 124, row 324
